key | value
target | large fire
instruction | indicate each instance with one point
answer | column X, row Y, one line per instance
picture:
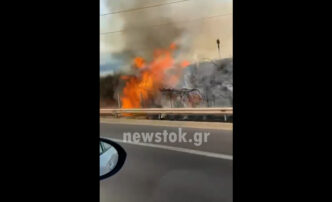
column 162, row 71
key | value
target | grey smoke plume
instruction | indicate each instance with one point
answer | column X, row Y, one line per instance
column 148, row 29
column 140, row 33
column 214, row 79
column 140, row 38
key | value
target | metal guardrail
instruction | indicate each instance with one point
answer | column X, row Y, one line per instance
column 185, row 111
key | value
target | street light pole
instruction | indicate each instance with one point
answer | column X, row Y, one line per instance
column 218, row 44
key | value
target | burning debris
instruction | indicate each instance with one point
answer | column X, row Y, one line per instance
column 142, row 88
column 166, row 82
column 182, row 97
column 214, row 79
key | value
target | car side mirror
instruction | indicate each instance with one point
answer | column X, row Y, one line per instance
column 111, row 158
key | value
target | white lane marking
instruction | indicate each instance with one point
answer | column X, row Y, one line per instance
column 222, row 128
column 189, row 151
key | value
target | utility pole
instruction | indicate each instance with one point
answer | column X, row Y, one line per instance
column 207, row 96
column 119, row 103
column 218, row 44
column 171, row 99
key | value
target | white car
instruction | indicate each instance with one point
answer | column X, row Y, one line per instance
column 108, row 158
column 111, row 157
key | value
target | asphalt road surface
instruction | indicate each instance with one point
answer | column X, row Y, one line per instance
column 162, row 174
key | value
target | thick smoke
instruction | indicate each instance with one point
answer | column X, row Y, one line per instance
column 140, row 39
column 145, row 30
column 214, row 79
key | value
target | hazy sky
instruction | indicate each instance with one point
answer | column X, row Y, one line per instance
column 203, row 21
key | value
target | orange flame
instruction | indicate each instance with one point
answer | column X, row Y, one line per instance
column 124, row 77
column 162, row 71
column 172, row 46
column 139, row 62
column 184, row 63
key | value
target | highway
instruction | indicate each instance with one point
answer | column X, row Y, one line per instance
column 162, row 173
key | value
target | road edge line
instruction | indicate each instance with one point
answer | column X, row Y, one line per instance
column 178, row 149
column 182, row 124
